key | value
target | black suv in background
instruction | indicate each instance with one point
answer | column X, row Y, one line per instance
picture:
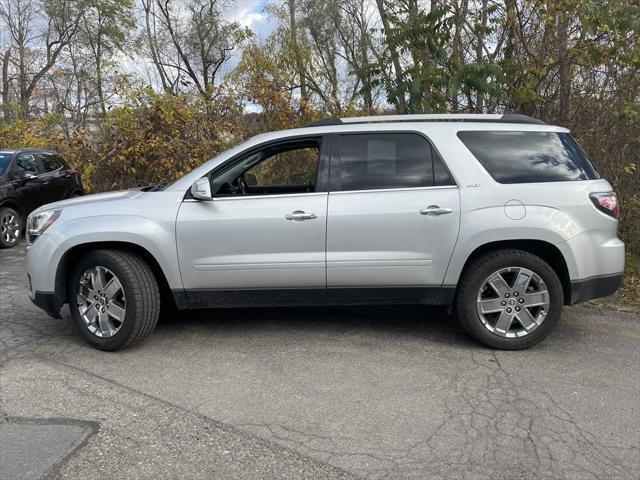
column 29, row 178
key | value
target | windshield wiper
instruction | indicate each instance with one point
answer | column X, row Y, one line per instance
column 155, row 187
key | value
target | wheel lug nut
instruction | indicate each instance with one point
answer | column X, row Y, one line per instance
column 506, row 295
column 516, row 294
column 517, row 309
column 508, row 310
column 103, row 310
column 521, row 300
column 503, row 303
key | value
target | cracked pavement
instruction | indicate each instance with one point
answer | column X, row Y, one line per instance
column 381, row 392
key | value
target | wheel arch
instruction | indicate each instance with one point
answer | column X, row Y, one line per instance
column 75, row 252
column 545, row 250
column 12, row 203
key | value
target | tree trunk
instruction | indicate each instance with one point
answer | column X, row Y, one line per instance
column 564, row 68
column 6, row 111
column 510, row 48
column 400, row 87
column 479, row 53
column 302, row 81
column 103, row 107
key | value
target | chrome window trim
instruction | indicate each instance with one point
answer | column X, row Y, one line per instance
column 248, row 197
column 405, row 189
column 336, row 192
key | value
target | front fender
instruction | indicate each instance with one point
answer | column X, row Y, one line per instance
column 47, row 252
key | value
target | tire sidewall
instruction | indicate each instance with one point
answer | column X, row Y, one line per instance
column 120, row 339
column 466, row 302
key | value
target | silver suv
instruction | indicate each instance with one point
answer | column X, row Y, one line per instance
column 500, row 217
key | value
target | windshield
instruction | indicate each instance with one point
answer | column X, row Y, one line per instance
column 5, row 160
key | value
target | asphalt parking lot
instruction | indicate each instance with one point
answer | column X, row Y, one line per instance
column 316, row 393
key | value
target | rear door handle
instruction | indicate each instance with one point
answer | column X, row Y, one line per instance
column 300, row 215
column 435, row 210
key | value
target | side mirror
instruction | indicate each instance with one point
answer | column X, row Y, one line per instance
column 201, row 189
column 24, row 177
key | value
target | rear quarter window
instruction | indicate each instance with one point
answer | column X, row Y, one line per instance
column 529, row 157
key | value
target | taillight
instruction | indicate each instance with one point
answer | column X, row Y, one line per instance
column 606, row 202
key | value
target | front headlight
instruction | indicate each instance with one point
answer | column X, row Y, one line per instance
column 37, row 223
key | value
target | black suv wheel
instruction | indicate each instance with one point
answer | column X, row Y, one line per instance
column 10, row 227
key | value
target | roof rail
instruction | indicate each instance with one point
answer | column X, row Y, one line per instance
column 325, row 122
column 438, row 117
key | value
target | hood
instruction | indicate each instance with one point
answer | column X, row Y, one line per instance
column 96, row 198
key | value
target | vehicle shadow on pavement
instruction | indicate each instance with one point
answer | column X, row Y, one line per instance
column 411, row 321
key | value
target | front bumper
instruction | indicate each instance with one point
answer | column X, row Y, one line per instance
column 595, row 287
column 47, row 302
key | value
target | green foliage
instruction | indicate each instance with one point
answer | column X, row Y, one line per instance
column 151, row 137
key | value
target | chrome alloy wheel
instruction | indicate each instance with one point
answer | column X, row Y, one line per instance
column 10, row 228
column 512, row 302
column 101, row 301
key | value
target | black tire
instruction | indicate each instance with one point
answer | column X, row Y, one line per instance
column 140, row 289
column 7, row 239
column 475, row 275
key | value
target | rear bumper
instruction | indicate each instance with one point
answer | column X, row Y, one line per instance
column 47, row 302
column 595, row 287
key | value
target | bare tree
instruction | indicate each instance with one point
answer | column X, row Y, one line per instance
column 39, row 31
column 190, row 42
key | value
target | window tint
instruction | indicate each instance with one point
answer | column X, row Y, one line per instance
column 528, row 157
column 388, row 160
column 27, row 163
column 5, row 160
column 49, row 162
column 291, row 167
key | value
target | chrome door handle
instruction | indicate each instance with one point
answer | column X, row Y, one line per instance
column 300, row 215
column 435, row 210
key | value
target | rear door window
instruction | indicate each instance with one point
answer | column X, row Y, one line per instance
column 50, row 163
column 529, row 157
column 386, row 161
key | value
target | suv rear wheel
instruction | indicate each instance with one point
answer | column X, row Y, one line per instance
column 10, row 227
column 509, row 299
column 113, row 298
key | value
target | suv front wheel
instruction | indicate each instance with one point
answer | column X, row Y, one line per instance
column 509, row 299
column 10, row 227
column 113, row 298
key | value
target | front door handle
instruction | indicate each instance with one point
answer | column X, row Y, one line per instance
column 435, row 210
column 300, row 215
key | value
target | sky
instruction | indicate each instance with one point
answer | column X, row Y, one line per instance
column 248, row 13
